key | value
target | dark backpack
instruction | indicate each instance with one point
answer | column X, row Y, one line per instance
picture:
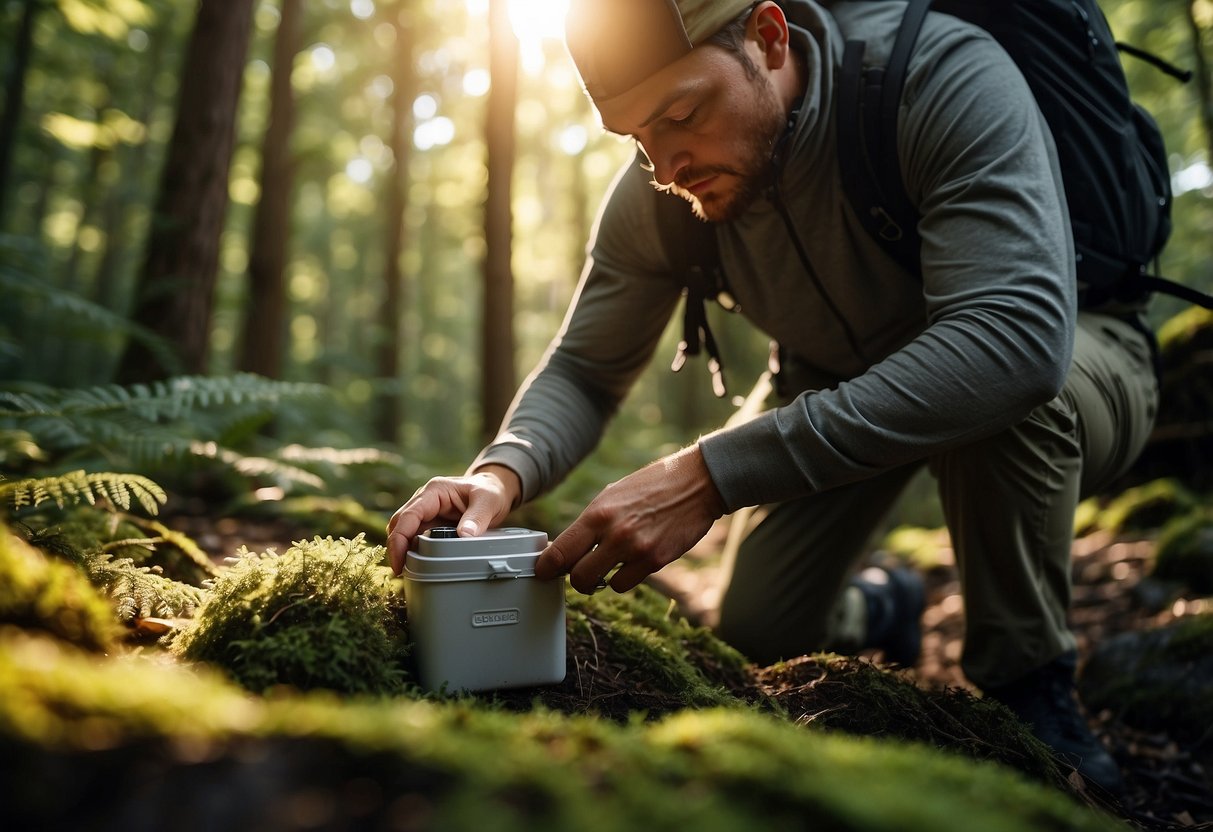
column 1110, row 150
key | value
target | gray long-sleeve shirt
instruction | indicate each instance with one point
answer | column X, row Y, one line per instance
column 972, row 348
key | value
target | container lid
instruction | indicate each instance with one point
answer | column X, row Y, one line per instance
column 495, row 555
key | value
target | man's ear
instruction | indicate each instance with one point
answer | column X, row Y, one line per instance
column 769, row 28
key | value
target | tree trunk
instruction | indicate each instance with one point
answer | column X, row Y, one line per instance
column 1204, row 83
column 14, row 95
column 390, row 413
column 175, row 294
column 266, row 314
column 497, row 343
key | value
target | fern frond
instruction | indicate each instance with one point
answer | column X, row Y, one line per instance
column 139, row 592
column 337, row 456
column 145, row 422
column 158, row 401
column 18, row 447
column 60, row 305
column 76, row 487
column 184, row 543
column 256, row 466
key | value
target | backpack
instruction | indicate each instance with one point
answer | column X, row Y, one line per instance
column 1109, row 149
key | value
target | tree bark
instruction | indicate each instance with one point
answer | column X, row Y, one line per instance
column 265, row 320
column 175, row 292
column 14, row 95
column 390, row 413
column 497, row 341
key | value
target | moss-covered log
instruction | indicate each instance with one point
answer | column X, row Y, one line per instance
column 133, row 744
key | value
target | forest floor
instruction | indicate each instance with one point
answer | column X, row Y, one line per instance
column 1167, row 777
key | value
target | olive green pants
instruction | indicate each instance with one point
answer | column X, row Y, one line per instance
column 1009, row 503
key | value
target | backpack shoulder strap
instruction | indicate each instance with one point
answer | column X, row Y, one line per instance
column 869, row 100
column 690, row 245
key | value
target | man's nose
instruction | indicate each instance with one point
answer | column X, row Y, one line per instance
column 665, row 160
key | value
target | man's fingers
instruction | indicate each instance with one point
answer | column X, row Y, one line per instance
column 481, row 513
column 563, row 553
column 629, row 576
column 400, row 536
column 590, row 574
column 435, row 501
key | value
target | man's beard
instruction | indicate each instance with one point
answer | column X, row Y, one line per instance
column 753, row 173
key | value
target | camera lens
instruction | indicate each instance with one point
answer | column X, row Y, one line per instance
column 443, row 532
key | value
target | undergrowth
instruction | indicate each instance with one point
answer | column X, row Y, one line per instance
column 323, row 614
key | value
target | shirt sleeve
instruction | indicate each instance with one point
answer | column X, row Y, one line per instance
column 621, row 307
column 998, row 283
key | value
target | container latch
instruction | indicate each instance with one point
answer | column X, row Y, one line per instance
column 502, row 569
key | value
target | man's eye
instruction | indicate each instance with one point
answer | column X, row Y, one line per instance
column 686, row 120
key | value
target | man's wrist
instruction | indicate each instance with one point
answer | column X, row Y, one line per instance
column 712, row 496
column 511, row 483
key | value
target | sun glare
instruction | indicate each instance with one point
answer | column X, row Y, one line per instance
column 538, row 19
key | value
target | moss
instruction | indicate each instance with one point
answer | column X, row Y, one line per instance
column 100, row 740
column 1086, row 517
column 1146, row 507
column 43, row 594
column 659, row 648
column 919, row 546
column 324, row 614
column 631, row 654
column 1158, row 679
column 1185, row 552
column 855, row 697
column 1189, row 329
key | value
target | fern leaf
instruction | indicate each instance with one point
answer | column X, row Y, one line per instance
column 253, row 466
column 76, row 487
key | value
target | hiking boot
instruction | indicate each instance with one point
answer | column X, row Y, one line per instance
column 895, row 597
column 1045, row 700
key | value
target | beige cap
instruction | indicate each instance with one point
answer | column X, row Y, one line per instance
column 616, row 44
column 704, row 18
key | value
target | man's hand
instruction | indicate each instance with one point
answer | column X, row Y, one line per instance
column 473, row 504
column 643, row 521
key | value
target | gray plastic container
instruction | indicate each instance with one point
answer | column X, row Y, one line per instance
column 479, row 619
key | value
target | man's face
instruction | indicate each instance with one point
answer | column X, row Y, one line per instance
column 708, row 126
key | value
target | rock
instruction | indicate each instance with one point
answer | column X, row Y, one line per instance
column 1157, row 680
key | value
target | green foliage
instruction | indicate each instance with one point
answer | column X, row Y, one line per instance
column 338, row 516
column 77, row 487
column 921, row 547
column 140, row 592
column 113, row 414
column 324, row 614
column 47, row 595
column 66, row 312
column 1146, row 507
column 122, row 561
column 453, row 766
column 1187, row 331
column 19, row 450
column 179, row 426
column 1185, row 552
